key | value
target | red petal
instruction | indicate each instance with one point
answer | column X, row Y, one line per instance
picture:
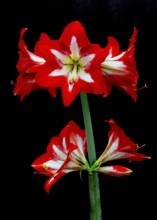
column 76, row 29
column 38, row 164
column 120, row 146
column 25, row 83
column 51, row 181
column 116, row 170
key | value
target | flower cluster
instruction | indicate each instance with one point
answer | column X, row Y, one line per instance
column 76, row 66
column 67, row 152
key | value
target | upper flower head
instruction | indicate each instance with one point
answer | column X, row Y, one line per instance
column 65, row 153
column 74, row 64
column 119, row 67
column 119, row 147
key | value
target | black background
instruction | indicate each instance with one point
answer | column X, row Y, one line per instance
column 27, row 126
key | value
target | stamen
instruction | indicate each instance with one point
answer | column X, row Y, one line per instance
column 143, row 145
column 143, row 87
column 45, row 166
column 12, row 83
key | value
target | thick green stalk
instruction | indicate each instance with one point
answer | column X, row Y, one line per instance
column 94, row 190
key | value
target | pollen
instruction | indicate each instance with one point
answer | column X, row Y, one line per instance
column 45, row 166
column 74, row 78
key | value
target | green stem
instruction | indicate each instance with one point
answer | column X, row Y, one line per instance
column 94, row 190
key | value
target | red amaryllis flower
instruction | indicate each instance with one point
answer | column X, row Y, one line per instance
column 65, row 153
column 74, row 64
column 119, row 147
column 119, row 67
column 28, row 65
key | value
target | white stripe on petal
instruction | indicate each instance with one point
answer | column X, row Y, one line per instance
column 113, row 71
column 60, row 72
column 111, row 170
column 54, row 164
column 116, row 156
column 110, row 138
column 36, row 58
column 113, row 147
column 64, row 144
column 106, row 169
column 75, row 155
column 70, row 86
column 79, row 142
column 117, row 65
column 109, row 56
column 59, row 152
column 71, row 165
column 86, row 76
column 74, row 47
column 66, row 170
column 118, row 56
column 59, row 55
column 87, row 59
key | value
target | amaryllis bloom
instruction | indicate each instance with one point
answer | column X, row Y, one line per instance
column 65, row 153
column 119, row 67
column 74, row 64
column 28, row 65
column 119, row 147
